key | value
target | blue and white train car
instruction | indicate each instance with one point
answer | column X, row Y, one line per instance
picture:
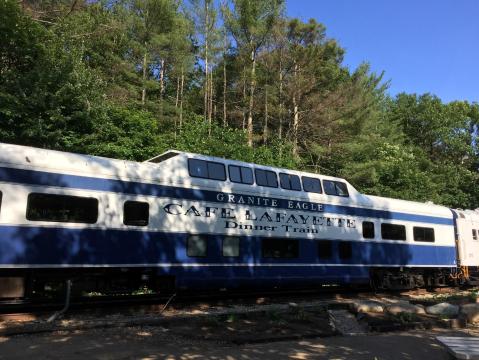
column 208, row 223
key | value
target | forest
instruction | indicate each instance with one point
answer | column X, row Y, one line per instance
column 238, row 79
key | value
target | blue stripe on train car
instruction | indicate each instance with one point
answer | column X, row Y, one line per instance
column 47, row 245
column 22, row 246
column 43, row 178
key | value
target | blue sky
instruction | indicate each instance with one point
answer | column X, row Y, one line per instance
column 422, row 45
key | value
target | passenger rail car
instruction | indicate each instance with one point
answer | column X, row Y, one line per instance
column 187, row 222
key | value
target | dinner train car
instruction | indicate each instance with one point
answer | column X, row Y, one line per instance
column 183, row 221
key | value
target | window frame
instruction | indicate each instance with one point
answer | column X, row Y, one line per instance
column 290, row 183
column 126, row 203
column 282, row 242
column 328, row 245
column 393, row 225
column 309, row 178
column 266, row 172
column 240, row 169
column 424, row 229
column 228, row 237
column 208, row 176
column 373, row 230
column 66, row 198
column 336, row 184
column 201, row 237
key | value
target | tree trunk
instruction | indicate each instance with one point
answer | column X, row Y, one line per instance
column 295, row 113
column 265, row 127
column 244, row 98
column 181, row 98
column 251, row 99
column 225, row 122
column 206, row 60
column 177, row 91
column 210, row 103
column 162, row 79
column 143, row 91
column 280, row 130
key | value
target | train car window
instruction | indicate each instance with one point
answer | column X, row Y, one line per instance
column 231, row 246
column 198, row 168
column 216, row 171
column 368, row 230
column 336, row 188
column 393, row 232
column 266, row 178
column 311, row 185
column 136, row 213
column 280, row 248
column 345, row 250
column 62, row 208
column 1, row 201
column 325, row 249
column 423, row 234
column 474, row 234
column 290, row 182
column 206, row 169
column 241, row 174
column 197, row 246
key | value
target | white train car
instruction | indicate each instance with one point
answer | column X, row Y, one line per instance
column 199, row 222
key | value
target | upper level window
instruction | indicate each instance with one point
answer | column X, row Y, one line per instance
column 290, row 182
column 206, row 169
column 266, row 178
column 136, row 213
column 393, row 232
column 337, row 188
column 1, row 200
column 231, row 246
column 280, row 248
column 474, row 234
column 241, row 174
column 197, row 246
column 423, row 234
column 311, row 184
column 62, row 208
column 368, row 230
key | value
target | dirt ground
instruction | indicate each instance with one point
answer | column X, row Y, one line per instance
column 159, row 343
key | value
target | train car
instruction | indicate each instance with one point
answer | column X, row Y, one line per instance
column 185, row 221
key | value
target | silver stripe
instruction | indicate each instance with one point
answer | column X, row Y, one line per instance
column 193, row 265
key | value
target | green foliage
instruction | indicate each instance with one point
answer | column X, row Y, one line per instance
column 124, row 79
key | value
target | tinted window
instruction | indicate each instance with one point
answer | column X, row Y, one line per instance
column 325, row 249
column 311, row 184
column 474, row 234
column 280, row 248
column 290, row 182
column 423, row 234
column 393, row 232
column 266, row 178
column 197, row 246
column 231, row 246
column 216, row 171
column 206, row 169
column 368, row 230
column 62, row 208
column 198, row 168
column 241, row 174
column 335, row 188
column 136, row 213
column 345, row 250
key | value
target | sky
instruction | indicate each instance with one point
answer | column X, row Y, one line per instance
column 421, row 45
